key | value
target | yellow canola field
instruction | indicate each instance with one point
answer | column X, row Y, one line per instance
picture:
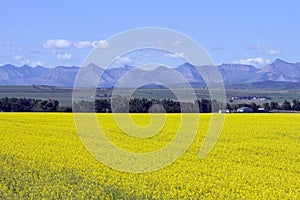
column 256, row 157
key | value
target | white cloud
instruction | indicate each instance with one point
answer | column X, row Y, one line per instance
column 10, row 47
column 22, row 60
column 123, row 60
column 172, row 55
column 100, row 44
column 57, row 43
column 82, row 44
column 91, row 44
column 257, row 62
column 36, row 63
column 64, row 56
column 273, row 52
column 64, row 44
column 26, row 61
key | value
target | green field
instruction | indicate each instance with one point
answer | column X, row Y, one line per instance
column 64, row 94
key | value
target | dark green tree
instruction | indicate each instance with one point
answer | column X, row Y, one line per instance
column 286, row 105
column 296, row 105
column 274, row 106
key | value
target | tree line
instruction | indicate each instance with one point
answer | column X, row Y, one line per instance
column 144, row 105
column 272, row 106
column 28, row 105
column 135, row 105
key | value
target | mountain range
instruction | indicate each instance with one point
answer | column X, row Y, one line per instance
column 278, row 71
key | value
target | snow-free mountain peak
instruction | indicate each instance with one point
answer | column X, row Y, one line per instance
column 279, row 70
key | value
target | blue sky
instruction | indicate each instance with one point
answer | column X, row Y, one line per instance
column 53, row 33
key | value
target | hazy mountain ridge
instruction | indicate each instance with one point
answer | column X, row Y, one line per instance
column 278, row 71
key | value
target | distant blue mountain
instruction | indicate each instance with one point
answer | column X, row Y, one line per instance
column 278, row 71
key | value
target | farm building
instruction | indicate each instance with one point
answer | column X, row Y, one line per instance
column 263, row 110
column 224, row 111
column 245, row 110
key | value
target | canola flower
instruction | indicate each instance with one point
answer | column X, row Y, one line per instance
column 256, row 157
